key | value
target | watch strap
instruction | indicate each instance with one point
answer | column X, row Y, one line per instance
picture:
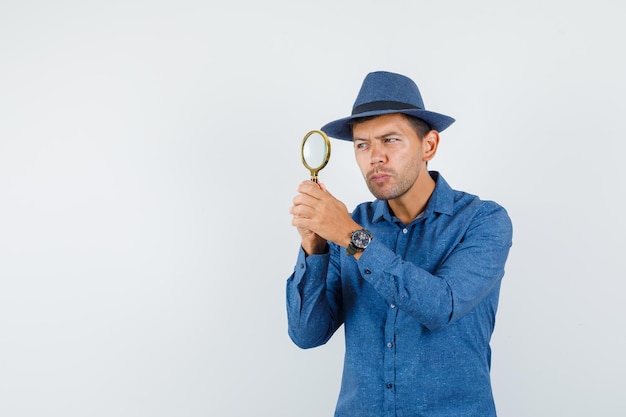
column 351, row 249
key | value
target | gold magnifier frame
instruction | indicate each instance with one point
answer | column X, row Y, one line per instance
column 315, row 152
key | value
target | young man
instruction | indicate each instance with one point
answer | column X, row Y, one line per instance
column 414, row 276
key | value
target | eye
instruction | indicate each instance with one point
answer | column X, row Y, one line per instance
column 360, row 145
column 390, row 140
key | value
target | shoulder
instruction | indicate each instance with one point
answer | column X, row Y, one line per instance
column 468, row 211
column 484, row 216
column 455, row 202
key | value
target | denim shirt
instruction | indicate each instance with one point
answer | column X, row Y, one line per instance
column 418, row 307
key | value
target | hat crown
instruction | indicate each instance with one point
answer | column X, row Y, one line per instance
column 385, row 92
column 383, row 86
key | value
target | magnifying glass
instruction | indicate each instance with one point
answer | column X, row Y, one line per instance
column 315, row 152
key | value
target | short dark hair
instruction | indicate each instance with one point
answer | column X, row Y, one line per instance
column 420, row 126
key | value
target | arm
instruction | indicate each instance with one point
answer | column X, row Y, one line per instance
column 314, row 288
column 313, row 300
column 463, row 278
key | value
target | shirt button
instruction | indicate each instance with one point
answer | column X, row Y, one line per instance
column 367, row 272
column 389, row 345
column 392, row 306
column 301, row 266
column 405, row 231
column 389, row 386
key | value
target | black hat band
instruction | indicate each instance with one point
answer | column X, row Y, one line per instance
column 383, row 105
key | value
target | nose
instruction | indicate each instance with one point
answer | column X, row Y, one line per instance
column 377, row 155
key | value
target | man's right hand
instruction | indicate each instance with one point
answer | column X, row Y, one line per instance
column 320, row 217
column 312, row 243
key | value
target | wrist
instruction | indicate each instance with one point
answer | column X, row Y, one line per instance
column 359, row 240
column 316, row 247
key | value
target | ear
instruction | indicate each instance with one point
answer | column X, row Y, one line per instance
column 429, row 145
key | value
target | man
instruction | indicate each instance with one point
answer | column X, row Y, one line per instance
column 413, row 276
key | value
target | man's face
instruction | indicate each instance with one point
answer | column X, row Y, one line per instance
column 390, row 155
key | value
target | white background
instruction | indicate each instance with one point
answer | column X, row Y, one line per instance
column 149, row 152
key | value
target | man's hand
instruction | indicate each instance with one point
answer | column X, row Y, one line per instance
column 320, row 217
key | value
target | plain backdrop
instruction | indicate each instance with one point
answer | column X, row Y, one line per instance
column 149, row 152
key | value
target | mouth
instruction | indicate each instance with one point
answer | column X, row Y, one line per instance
column 379, row 177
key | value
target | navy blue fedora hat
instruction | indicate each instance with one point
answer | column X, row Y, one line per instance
column 385, row 92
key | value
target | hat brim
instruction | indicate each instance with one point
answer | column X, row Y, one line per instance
column 341, row 129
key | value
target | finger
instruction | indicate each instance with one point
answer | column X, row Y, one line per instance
column 306, row 200
column 302, row 211
column 301, row 223
column 321, row 187
column 310, row 188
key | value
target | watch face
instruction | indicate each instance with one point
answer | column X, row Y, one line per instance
column 361, row 239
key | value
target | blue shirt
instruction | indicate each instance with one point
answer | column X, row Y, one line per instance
column 418, row 307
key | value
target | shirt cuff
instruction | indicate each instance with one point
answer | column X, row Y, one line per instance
column 313, row 266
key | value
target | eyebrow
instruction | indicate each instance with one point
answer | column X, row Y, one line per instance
column 384, row 136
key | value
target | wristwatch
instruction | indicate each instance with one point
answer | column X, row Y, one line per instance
column 359, row 241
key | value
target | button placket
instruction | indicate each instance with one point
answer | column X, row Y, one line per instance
column 389, row 367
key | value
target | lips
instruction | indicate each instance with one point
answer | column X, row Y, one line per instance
column 379, row 176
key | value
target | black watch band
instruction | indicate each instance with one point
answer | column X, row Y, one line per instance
column 351, row 249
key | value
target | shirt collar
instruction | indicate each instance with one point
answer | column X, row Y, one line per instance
column 441, row 201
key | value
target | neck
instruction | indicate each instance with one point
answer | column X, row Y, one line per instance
column 408, row 206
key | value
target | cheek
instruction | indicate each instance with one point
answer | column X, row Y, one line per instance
column 360, row 158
